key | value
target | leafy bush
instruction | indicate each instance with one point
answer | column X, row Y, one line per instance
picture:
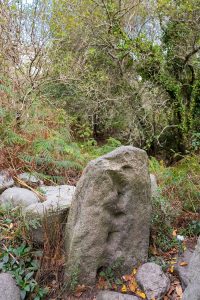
column 17, row 255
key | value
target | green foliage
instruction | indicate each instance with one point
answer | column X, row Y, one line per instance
column 180, row 182
column 192, row 229
column 178, row 192
column 112, row 273
column 74, row 278
column 17, row 255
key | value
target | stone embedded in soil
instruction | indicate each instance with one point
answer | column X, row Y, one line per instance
column 52, row 212
column 6, row 181
column 108, row 295
column 183, row 271
column 18, row 197
column 109, row 219
column 8, row 288
column 30, row 179
column 153, row 281
column 193, row 289
column 154, row 186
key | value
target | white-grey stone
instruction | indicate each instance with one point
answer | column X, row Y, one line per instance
column 16, row 196
column 153, row 281
column 6, row 181
column 108, row 295
column 110, row 215
column 30, row 178
column 192, row 292
column 193, row 289
column 183, row 271
column 194, row 264
column 61, row 194
column 154, row 186
column 55, row 208
column 8, row 288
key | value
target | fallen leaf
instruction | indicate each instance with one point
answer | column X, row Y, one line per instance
column 127, row 278
column 174, row 233
column 170, row 290
column 11, row 226
column 179, row 291
column 124, row 289
column 153, row 250
column 171, row 269
column 134, row 271
column 183, row 264
column 140, row 294
column 133, row 286
column 79, row 290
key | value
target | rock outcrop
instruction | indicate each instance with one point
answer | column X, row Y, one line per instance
column 110, row 214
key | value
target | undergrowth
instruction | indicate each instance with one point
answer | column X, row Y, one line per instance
column 177, row 204
column 17, row 254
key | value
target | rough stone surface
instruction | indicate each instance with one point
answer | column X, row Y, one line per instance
column 192, row 292
column 30, row 179
column 154, row 186
column 6, row 181
column 194, row 265
column 107, row 295
column 16, row 196
column 54, row 209
column 183, row 271
column 8, row 288
column 153, row 281
column 110, row 214
column 193, row 289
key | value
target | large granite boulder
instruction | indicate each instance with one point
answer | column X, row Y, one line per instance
column 8, row 288
column 16, row 196
column 110, row 214
column 193, row 289
column 6, row 181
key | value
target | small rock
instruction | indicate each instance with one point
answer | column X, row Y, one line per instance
column 30, row 179
column 8, row 288
column 6, row 181
column 183, row 271
column 153, row 281
column 107, row 295
column 154, row 186
column 16, row 196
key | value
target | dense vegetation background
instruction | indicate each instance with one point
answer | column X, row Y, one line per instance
column 79, row 78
